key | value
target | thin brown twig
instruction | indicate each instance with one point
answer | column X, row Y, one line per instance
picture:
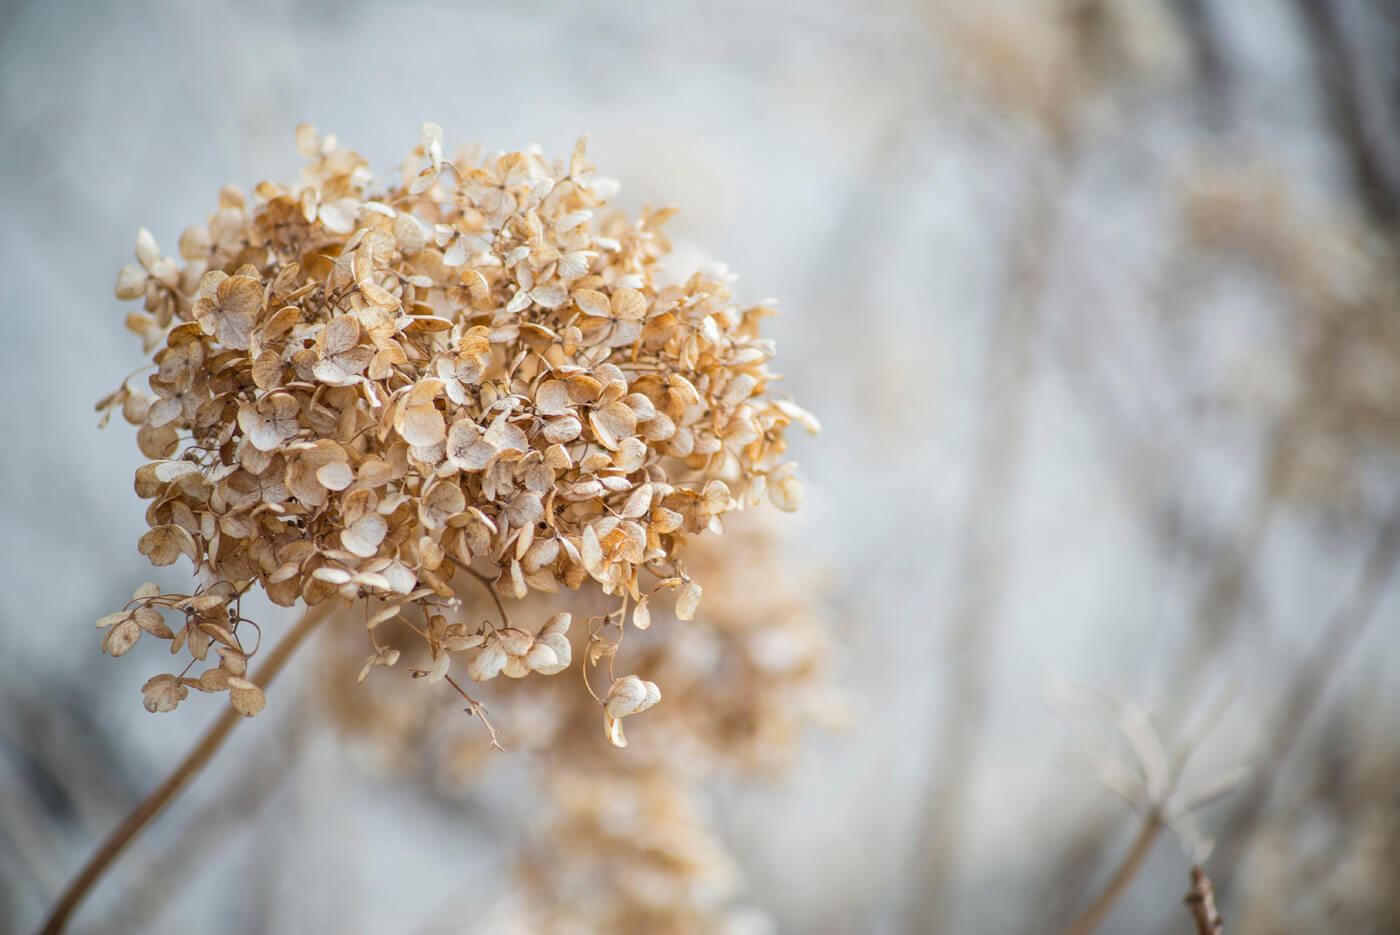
column 1200, row 899
column 1356, row 96
column 1128, row 868
column 1307, row 686
column 139, row 817
column 487, row 584
column 478, row 711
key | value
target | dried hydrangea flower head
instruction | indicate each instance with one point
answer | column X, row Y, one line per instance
column 472, row 374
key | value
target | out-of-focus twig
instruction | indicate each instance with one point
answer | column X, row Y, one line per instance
column 1152, row 788
column 1356, row 103
column 1306, row 687
column 1200, row 899
column 1103, row 904
column 249, row 792
column 1211, row 67
column 982, row 553
column 154, row 803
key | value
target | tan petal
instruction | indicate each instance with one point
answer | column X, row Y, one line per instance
column 612, row 423
column 688, row 601
column 364, row 536
column 487, row 663
column 340, row 334
column 147, row 251
column 504, row 435
column 443, row 501
column 786, row 493
column 591, row 551
column 234, row 329
column 163, row 693
column 552, row 398
column 592, row 303
column 131, row 282
column 612, row 727
column 335, row 476
column 562, row 429
column 122, row 637
column 164, row 544
column 739, row 389
column 543, row 659
column 628, row 305
column 466, row 450
column 247, row 699
column 423, row 426
column 239, row 294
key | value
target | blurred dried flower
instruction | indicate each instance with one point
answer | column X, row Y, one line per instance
column 625, row 843
column 471, row 374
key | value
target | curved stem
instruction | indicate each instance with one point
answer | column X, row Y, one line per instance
column 1118, row 885
column 151, row 806
column 487, row 584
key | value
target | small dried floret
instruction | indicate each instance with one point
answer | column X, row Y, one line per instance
column 628, row 695
column 474, row 373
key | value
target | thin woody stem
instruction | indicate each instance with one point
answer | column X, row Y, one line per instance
column 152, row 805
column 1122, row 877
column 487, row 584
column 1201, row 901
column 477, row 710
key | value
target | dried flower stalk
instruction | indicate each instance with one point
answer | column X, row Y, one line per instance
column 152, row 805
column 1200, row 899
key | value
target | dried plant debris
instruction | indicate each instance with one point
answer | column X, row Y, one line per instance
column 475, row 373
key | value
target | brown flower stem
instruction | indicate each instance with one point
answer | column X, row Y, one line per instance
column 151, row 806
column 1132, row 862
column 1304, row 692
column 487, row 584
column 1200, row 899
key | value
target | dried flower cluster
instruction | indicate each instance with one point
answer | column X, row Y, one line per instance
column 625, row 843
column 475, row 373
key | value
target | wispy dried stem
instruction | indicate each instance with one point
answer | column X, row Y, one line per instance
column 983, row 550
column 487, row 584
column 1122, row 877
column 1306, row 687
column 152, row 805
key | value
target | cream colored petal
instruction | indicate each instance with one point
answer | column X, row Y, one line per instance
column 688, row 601
column 628, row 305
column 423, row 426
column 612, row 423
column 239, row 294
column 364, row 536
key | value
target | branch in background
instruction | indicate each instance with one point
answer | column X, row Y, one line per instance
column 247, row 795
column 1151, row 785
column 1356, row 103
column 982, row 550
column 1201, row 901
column 116, row 842
column 1092, row 917
column 1211, row 69
column 1305, row 689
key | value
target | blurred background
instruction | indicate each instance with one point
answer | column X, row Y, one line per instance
column 1097, row 303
